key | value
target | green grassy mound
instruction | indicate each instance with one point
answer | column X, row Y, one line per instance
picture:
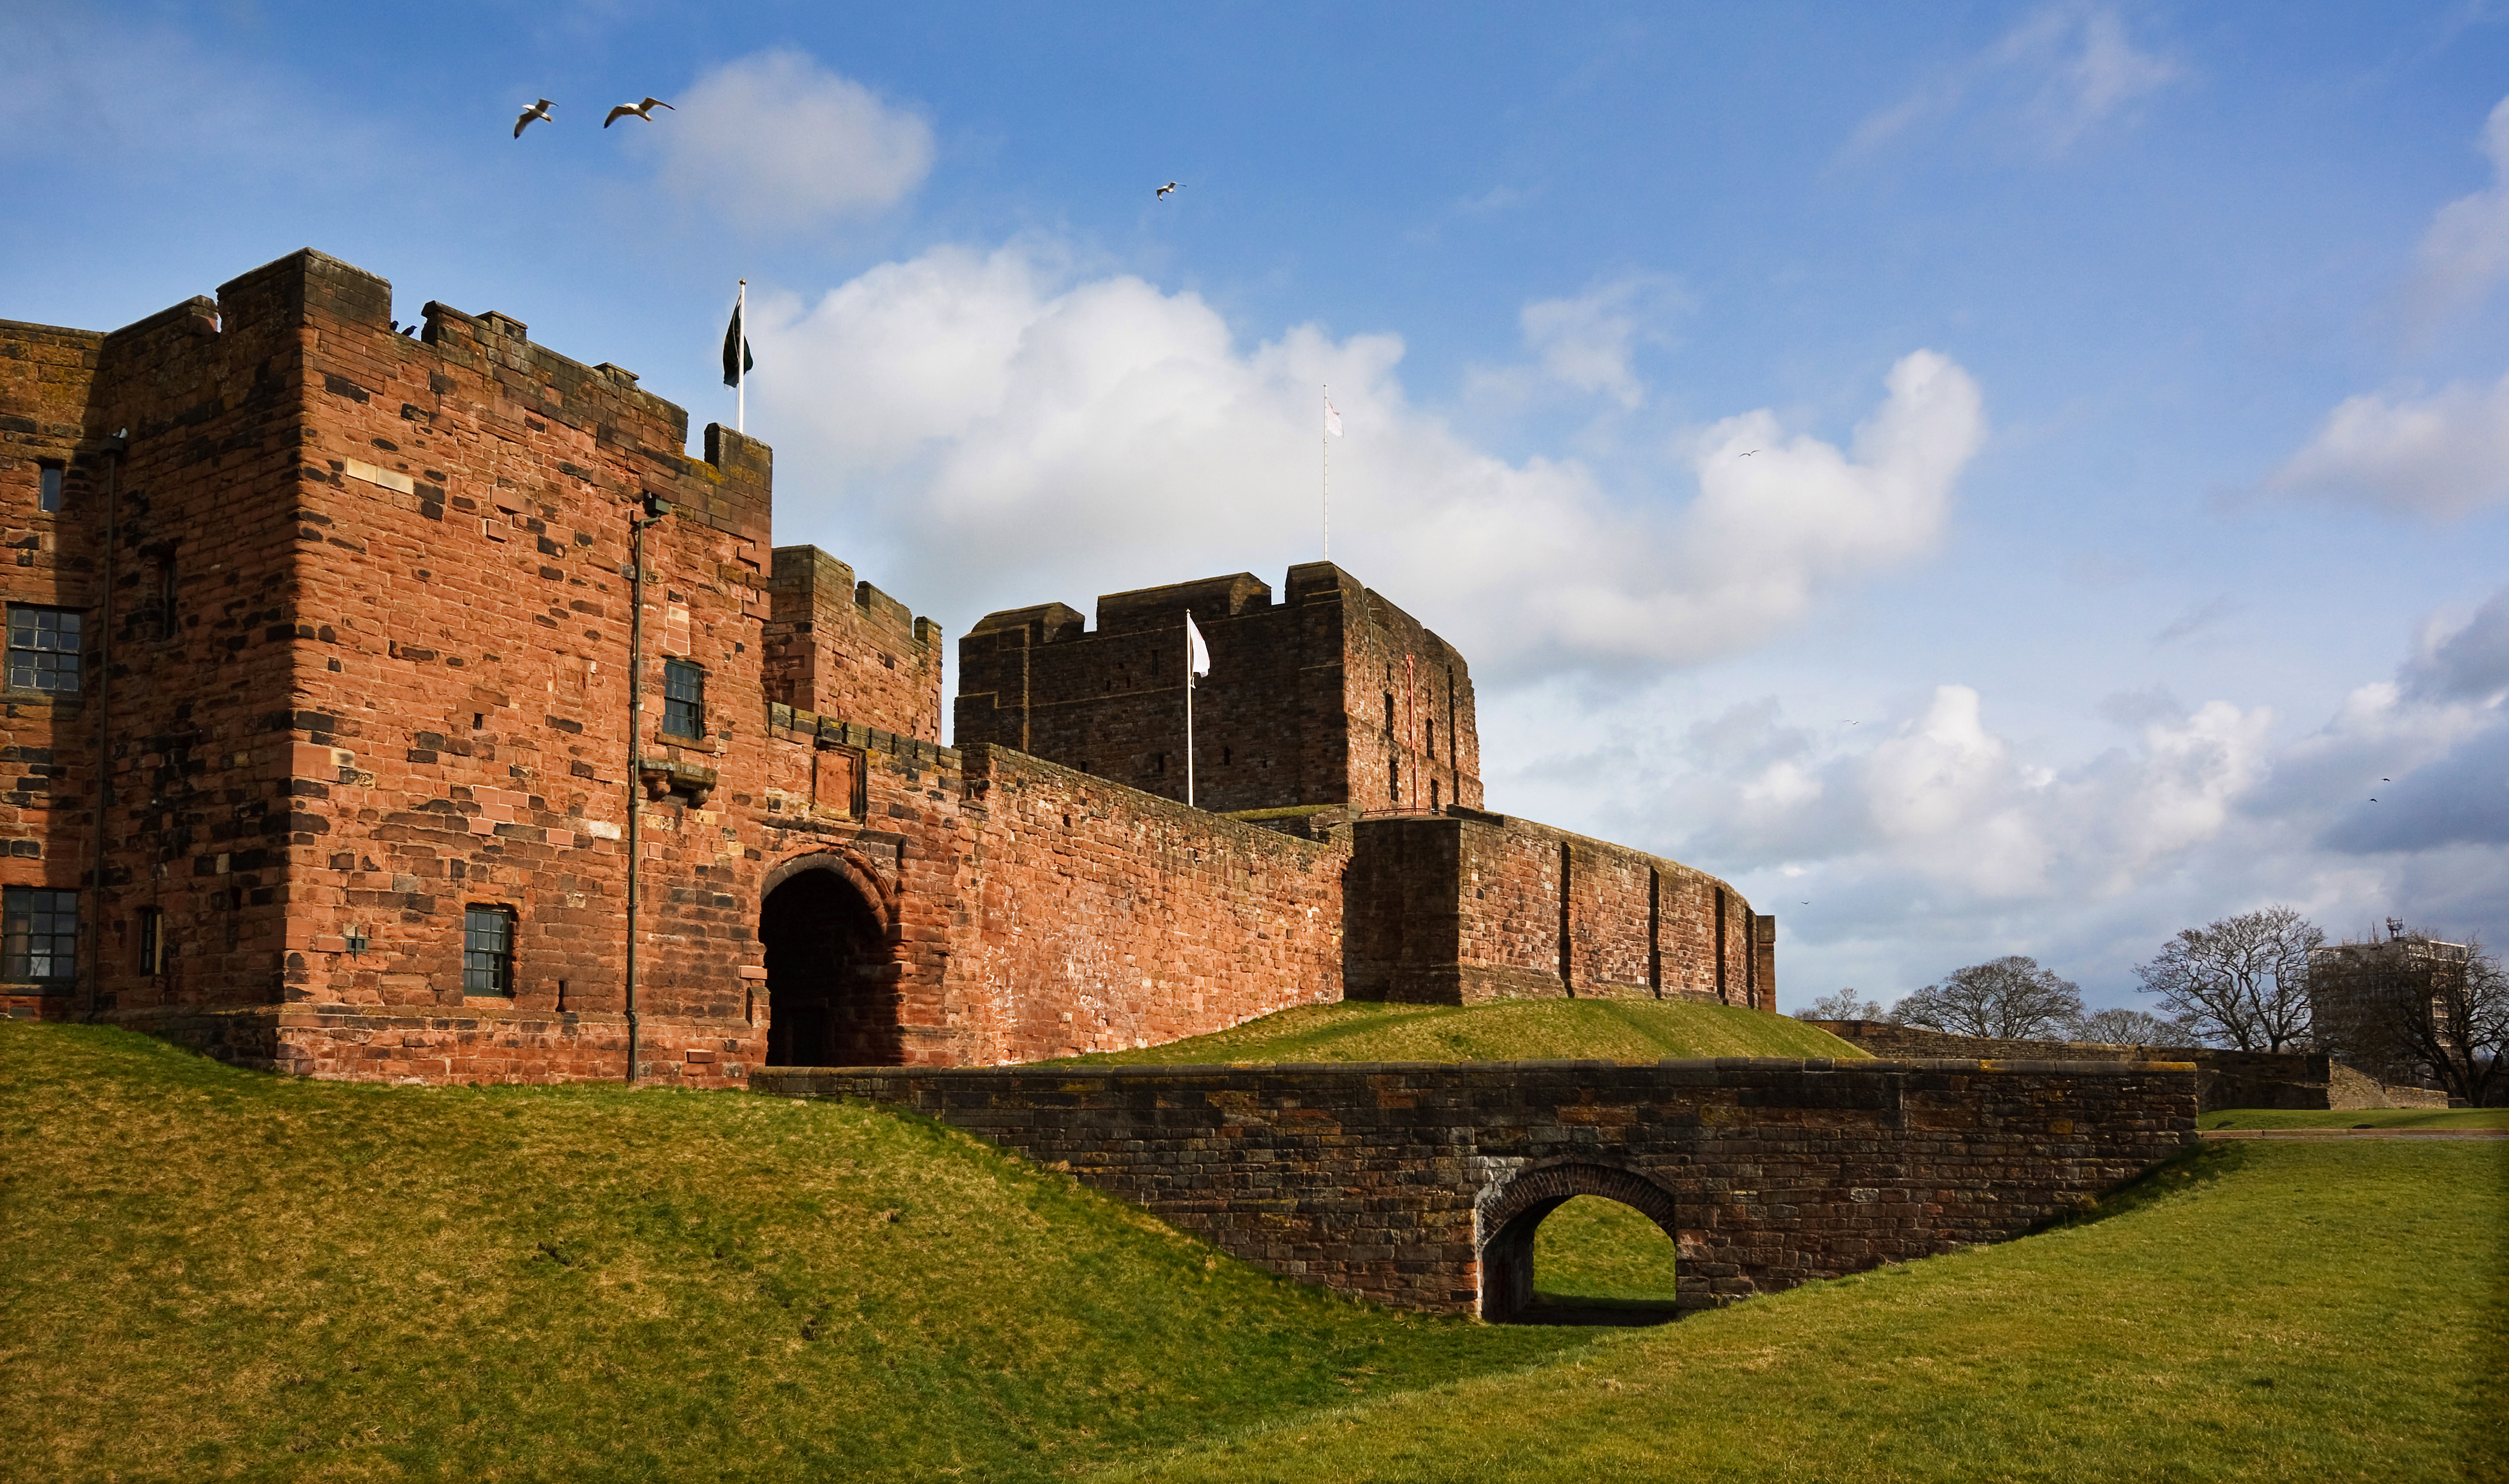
column 2353, row 1118
column 217, row 1273
column 2255, row 1311
column 1594, row 1251
column 1509, row 1030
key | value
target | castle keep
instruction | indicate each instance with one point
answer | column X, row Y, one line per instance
column 415, row 706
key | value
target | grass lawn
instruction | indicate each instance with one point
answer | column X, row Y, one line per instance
column 2257, row 1311
column 2353, row 1118
column 1508, row 1030
column 217, row 1273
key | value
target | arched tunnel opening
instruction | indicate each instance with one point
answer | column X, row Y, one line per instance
column 1581, row 1245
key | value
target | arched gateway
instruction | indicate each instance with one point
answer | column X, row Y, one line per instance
column 832, row 970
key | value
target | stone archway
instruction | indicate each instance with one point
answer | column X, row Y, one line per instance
column 1509, row 1213
column 832, row 969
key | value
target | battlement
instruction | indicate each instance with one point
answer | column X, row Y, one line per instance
column 1332, row 696
column 166, row 371
column 833, row 640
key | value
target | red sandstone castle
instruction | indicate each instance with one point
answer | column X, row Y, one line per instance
column 415, row 707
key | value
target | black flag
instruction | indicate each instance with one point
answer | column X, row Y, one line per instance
column 737, row 359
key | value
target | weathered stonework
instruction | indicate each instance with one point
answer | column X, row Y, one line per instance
column 1331, row 697
column 2226, row 1079
column 1421, row 1185
column 380, row 630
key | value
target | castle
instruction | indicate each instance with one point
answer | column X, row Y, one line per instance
column 410, row 705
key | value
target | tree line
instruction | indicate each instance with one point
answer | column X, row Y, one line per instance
column 2409, row 1004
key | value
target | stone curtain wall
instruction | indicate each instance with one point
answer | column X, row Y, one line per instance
column 1466, row 906
column 1112, row 919
column 2229, row 1079
column 1399, row 1181
column 1038, row 911
column 1294, row 711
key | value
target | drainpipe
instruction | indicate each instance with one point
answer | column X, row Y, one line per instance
column 114, row 448
column 655, row 510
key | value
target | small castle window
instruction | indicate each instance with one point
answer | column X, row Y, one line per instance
column 488, row 950
column 683, row 699
column 165, row 597
column 44, row 648
column 1159, row 764
column 1433, row 796
column 1428, row 734
column 152, row 941
column 1393, row 777
column 48, row 489
column 1388, row 713
column 39, row 930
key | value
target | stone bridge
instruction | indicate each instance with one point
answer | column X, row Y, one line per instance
column 1421, row 1184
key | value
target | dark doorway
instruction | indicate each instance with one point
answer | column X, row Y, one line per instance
column 831, row 977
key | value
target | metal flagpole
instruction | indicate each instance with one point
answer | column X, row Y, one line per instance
column 1188, row 710
column 1323, row 441
column 740, row 387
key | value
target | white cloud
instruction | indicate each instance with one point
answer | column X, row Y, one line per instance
column 1927, row 838
column 2062, row 71
column 2442, row 455
column 776, row 142
column 1006, row 433
column 1586, row 341
column 2466, row 249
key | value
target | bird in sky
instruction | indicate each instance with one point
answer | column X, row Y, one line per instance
column 1746, row 455
column 643, row 110
column 1168, row 190
column 538, row 110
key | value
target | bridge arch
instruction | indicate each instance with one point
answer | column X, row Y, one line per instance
column 1510, row 1211
column 828, row 922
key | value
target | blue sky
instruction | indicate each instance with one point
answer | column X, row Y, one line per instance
column 2129, row 384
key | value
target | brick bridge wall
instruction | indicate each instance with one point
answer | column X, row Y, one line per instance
column 2229, row 1079
column 1420, row 1185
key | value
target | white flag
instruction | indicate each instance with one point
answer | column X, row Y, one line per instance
column 1197, row 656
column 1332, row 419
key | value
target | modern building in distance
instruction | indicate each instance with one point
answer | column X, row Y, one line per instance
column 410, row 702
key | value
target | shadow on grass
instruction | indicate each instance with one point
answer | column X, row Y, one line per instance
column 2191, row 1168
column 1589, row 1309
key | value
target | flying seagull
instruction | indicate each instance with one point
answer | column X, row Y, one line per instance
column 538, row 110
column 1746, row 455
column 1168, row 190
column 643, row 110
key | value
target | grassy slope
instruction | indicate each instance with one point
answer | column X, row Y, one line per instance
column 213, row 1274
column 2353, row 1118
column 2257, row 1312
column 220, row 1274
column 1602, row 1030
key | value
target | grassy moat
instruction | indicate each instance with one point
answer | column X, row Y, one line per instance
column 216, row 1274
column 1508, row 1030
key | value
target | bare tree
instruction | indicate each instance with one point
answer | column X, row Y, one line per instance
column 2009, row 998
column 2129, row 1028
column 1842, row 1005
column 2243, row 982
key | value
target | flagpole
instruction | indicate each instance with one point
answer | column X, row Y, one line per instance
column 1188, row 709
column 1323, row 442
column 740, row 387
